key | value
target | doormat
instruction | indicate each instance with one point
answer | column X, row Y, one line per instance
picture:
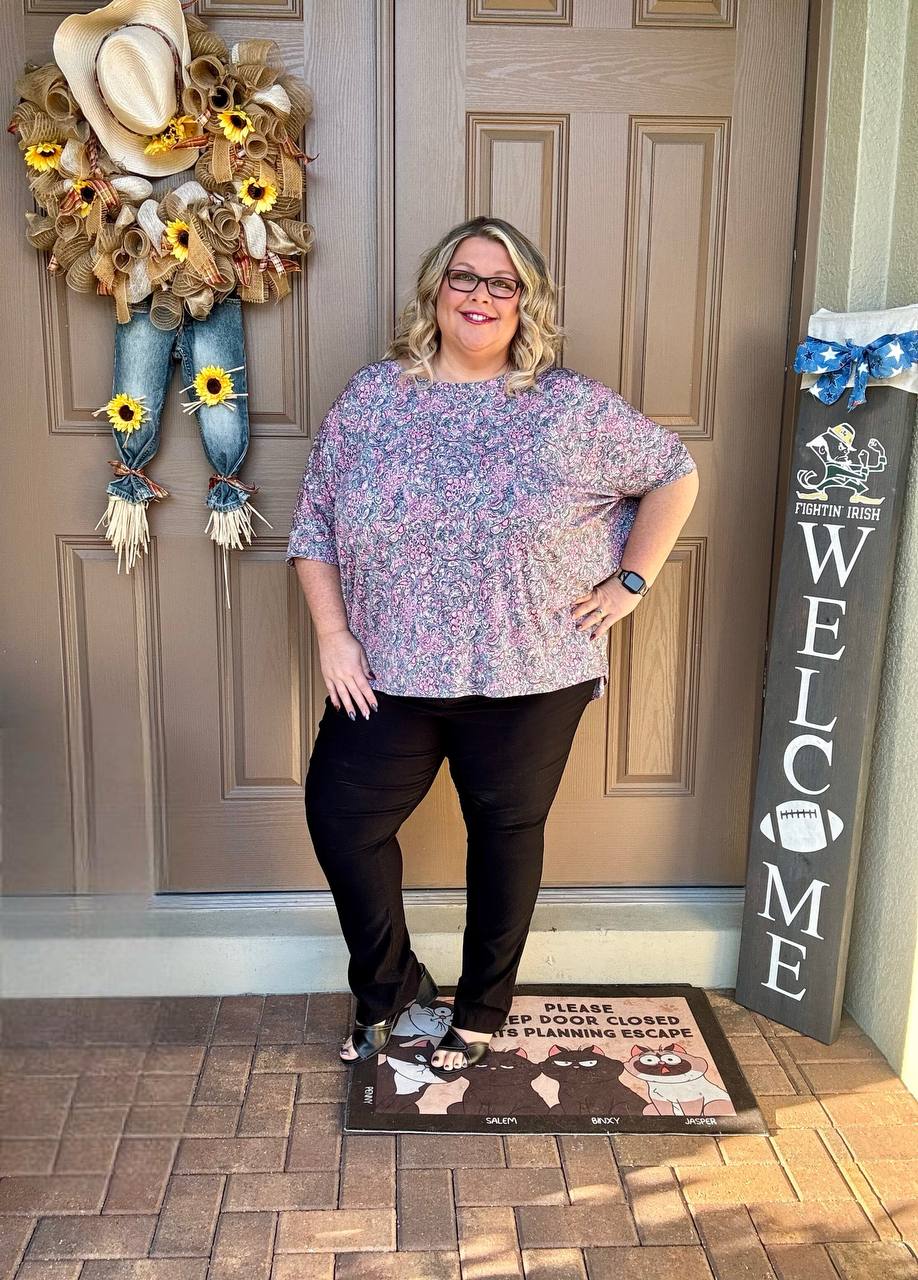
column 574, row 1059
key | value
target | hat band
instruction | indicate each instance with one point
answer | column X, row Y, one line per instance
column 176, row 62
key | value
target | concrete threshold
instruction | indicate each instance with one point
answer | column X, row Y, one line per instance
column 283, row 943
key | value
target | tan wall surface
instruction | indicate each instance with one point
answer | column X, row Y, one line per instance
column 868, row 258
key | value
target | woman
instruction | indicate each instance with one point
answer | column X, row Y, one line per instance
column 472, row 521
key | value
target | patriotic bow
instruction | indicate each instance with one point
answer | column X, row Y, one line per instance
column 833, row 361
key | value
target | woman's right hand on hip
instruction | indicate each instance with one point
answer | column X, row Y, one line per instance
column 345, row 668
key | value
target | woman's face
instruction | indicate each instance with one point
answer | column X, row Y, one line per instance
column 482, row 342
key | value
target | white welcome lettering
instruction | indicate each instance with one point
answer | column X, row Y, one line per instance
column 813, row 893
column 790, row 760
column 834, row 550
column 812, row 626
column 776, row 963
column 803, row 700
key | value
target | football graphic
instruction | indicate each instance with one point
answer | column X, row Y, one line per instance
column 801, row 826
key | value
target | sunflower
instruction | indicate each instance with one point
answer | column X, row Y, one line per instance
column 87, row 194
column 213, row 386
column 234, row 122
column 177, row 130
column 125, row 412
column 177, row 235
column 261, row 196
column 44, row 155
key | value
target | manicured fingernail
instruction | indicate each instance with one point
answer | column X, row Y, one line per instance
column 351, row 714
column 375, row 706
column 366, row 715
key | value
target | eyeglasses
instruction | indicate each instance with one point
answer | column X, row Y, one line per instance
column 467, row 282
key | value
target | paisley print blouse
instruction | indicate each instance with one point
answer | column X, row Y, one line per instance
column 464, row 522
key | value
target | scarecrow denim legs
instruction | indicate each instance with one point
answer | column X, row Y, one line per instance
column 143, row 367
column 506, row 758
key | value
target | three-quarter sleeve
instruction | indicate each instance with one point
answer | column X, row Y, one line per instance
column 312, row 530
column 636, row 454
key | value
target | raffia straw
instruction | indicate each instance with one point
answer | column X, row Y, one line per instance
column 126, row 528
column 227, row 528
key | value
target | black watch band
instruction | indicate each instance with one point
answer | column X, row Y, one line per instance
column 633, row 582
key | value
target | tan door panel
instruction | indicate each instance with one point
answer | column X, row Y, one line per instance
column 154, row 740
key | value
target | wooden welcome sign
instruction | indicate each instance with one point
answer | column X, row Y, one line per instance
column 840, row 532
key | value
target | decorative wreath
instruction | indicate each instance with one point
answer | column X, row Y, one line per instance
column 234, row 228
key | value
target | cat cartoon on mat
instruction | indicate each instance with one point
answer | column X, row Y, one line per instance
column 501, row 1085
column 403, row 1074
column 589, row 1082
column 677, row 1083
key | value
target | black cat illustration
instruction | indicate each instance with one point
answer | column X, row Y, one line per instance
column 402, row 1075
column 589, row 1083
column 501, row 1085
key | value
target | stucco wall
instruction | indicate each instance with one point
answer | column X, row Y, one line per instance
column 868, row 258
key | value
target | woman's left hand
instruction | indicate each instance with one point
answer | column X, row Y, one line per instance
column 615, row 601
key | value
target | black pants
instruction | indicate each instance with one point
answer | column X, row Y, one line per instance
column 506, row 758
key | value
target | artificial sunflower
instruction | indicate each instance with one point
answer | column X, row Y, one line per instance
column 177, row 233
column 125, row 412
column 44, row 155
column 177, row 130
column 87, row 194
column 214, row 386
column 260, row 196
column 235, row 123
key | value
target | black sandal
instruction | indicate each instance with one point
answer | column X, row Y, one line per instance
column 474, row 1051
column 369, row 1038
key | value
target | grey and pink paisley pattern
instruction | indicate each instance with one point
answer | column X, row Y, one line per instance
column 464, row 522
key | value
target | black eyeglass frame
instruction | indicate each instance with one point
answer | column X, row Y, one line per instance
column 518, row 284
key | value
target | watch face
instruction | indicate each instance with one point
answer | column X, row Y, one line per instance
column 633, row 581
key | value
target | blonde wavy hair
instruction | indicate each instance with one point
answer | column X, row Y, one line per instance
column 538, row 337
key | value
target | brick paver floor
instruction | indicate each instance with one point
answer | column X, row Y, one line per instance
column 200, row 1139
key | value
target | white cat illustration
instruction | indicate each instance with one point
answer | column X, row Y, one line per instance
column 677, row 1083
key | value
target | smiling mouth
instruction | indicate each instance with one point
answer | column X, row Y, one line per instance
column 472, row 317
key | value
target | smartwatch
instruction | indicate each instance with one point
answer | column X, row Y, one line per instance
column 633, row 582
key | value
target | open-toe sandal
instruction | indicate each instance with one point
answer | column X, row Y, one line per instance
column 369, row 1038
column 474, row 1051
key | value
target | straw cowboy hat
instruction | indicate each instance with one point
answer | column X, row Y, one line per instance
column 126, row 66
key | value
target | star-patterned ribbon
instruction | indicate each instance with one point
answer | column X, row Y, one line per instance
column 884, row 357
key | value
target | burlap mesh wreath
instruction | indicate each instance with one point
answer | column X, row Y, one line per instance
column 234, row 228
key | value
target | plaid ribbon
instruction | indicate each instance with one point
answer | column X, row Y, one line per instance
column 833, row 361
column 120, row 469
column 234, row 481
column 101, row 186
column 201, row 140
column 275, row 262
column 294, row 150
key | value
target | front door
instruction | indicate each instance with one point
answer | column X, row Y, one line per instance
column 154, row 740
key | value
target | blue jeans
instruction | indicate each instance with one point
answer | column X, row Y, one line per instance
column 365, row 777
column 143, row 356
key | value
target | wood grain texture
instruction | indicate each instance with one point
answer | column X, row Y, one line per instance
column 814, row 759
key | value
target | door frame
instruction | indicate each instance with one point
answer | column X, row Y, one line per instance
column 806, row 246
column 62, row 944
